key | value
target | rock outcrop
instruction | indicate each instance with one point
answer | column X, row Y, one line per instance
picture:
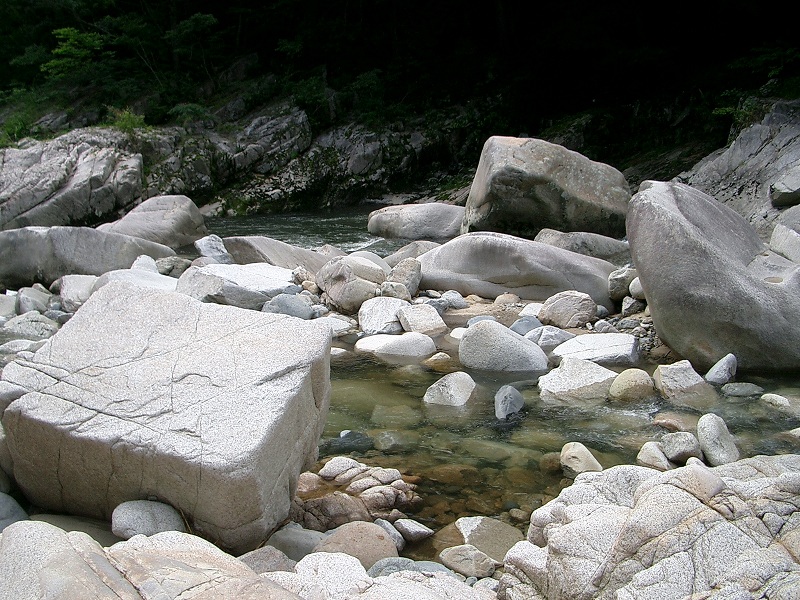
column 77, row 177
column 633, row 532
column 752, row 175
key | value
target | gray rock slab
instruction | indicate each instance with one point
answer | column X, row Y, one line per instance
column 44, row 254
column 608, row 349
column 252, row 249
column 213, row 409
column 490, row 264
column 591, row 244
column 576, row 381
column 491, row 346
column 244, row 286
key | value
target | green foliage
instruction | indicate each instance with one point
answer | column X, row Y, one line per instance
column 127, row 121
column 75, row 53
column 311, row 95
column 368, row 92
column 187, row 113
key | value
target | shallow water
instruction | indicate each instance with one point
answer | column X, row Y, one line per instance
column 467, row 464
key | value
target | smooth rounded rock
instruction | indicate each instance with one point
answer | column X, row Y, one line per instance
column 717, row 443
column 632, row 385
column 146, row 518
column 491, row 346
column 367, row 542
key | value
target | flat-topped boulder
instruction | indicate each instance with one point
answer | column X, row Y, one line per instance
column 490, row 264
column 173, row 221
column 43, row 254
column 712, row 286
column 245, row 286
column 212, row 409
column 523, row 185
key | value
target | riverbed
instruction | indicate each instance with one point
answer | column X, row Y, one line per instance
column 467, row 462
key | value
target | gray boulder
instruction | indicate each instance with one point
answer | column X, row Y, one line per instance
column 44, row 254
column 77, row 176
column 490, row 264
column 591, row 244
column 379, row 315
column 491, row 346
column 254, row 248
column 430, row 221
column 245, row 286
column 568, row 309
column 746, row 174
column 212, row 246
column 712, row 286
column 507, row 401
column 412, row 250
column 454, row 389
column 10, row 511
column 144, row 517
column 576, row 381
column 349, row 281
column 157, row 394
column 608, row 349
column 523, row 185
column 173, row 221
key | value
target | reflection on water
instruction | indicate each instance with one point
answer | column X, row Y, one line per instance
column 468, row 464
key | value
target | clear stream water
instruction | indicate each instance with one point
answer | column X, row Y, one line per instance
column 466, row 463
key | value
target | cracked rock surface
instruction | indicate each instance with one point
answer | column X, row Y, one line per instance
column 144, row 394
column 635, row 533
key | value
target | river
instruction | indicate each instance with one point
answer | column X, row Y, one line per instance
column 467, row 463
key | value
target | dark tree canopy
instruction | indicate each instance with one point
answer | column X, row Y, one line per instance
column 534, row 57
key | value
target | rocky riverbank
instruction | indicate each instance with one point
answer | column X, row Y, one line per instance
column 181, row 401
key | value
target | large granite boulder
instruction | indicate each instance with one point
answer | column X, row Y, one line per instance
column 43, row 254
column 750, row 176
column 173, row 221
column 712, row 286
column 523, row 185
column 256, row 248
column 143, row 394
column 78, row 176
column 634, row 532
column 429, row 221
column 490, row 264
